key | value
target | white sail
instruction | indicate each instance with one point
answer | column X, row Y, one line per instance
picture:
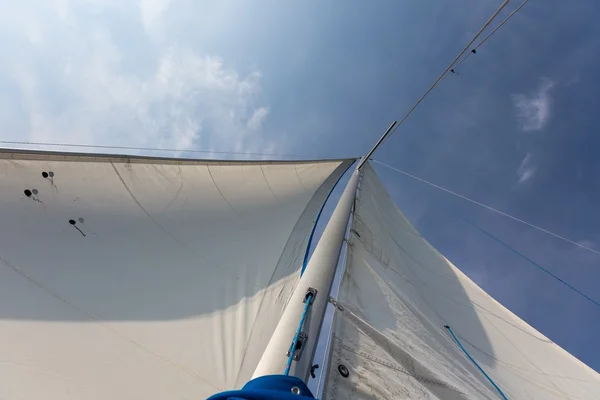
column 390, row 341
column 138, row 278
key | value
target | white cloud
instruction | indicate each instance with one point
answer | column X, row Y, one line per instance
column 95, row 75
column 534, row 109
column 257, row 118
column 152, row 11
column 526, row 169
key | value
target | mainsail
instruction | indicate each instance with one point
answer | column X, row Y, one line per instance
column 409, row 325
column 138, row 278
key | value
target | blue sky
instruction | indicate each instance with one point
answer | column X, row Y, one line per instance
column 516, row 130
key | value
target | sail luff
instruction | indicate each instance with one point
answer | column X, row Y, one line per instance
column 322, row 378
column 318, row 275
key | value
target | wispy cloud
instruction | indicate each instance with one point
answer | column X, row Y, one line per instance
column 257, row 118
column 534, row 109
column 526, row 169
column 72, row 79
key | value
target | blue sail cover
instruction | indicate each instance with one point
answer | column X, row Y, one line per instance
column 271, row 387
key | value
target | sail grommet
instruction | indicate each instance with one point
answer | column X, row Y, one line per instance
column 296, row 390
column 343, row 370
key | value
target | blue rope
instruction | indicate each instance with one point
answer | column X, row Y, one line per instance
column 534, row 263
column 310, row 238
column 307, row 305
column 475, row 362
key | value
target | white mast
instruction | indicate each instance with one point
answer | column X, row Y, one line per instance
column 318, row 277
column 300, row 322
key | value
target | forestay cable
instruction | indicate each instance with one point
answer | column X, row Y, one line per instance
column 395, row 126
column 488, row 36
column 490, row 208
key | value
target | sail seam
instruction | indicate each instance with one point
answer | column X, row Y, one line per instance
column 221, row 193
column 268, row 185
column 299, row 180
column 151, row 217
column 165, row 208
column 393, row 366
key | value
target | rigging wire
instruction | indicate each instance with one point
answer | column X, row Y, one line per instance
column 490, row 208
column 392, row 129
column 99, row 146
column 474, row 49
column 532, row 262
column 475, row 362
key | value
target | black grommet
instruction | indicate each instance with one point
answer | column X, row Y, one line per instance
column 44, row 174
column 343, row 370
column 72, row 222
column 27, row 192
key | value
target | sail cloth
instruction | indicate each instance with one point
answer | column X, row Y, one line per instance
column 396, row 296
column 139, row 278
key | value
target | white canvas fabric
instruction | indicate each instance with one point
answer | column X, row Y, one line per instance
column 138, row 278
column 396, row 296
